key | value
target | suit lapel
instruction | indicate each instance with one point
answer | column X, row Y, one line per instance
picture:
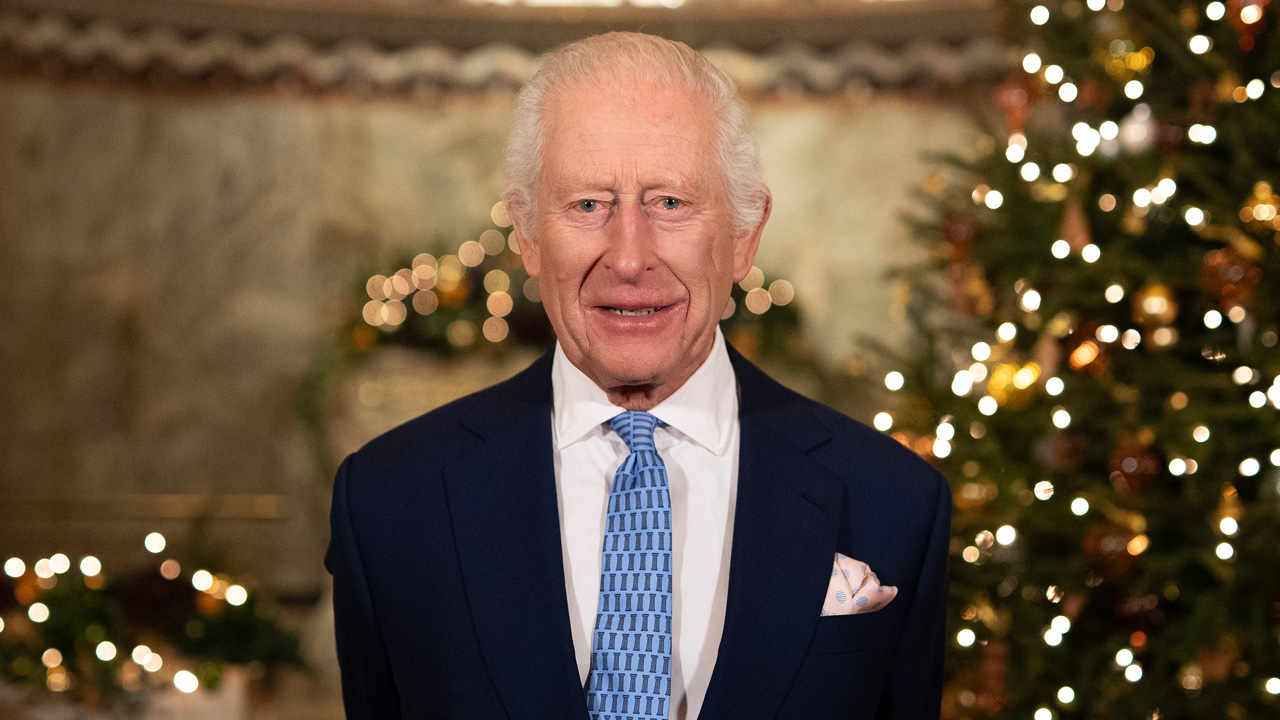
column 784, row 536
column 502, row 500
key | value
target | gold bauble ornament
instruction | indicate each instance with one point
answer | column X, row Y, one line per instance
column 1154, row 305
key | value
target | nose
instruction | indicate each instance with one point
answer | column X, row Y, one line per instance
column 630, row 242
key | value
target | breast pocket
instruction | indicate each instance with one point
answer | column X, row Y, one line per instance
column 857, row 633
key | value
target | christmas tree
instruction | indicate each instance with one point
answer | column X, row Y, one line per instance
column 1096, row 368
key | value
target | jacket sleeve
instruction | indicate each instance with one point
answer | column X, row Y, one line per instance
column 914, row 691
column 368, row 688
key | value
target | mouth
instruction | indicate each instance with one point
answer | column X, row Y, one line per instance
column 633, row 312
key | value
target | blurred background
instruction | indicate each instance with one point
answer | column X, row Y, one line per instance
column 1035, row 242
column 193, row 195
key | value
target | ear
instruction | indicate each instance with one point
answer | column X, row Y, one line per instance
column 524, row 239
column 744, row 247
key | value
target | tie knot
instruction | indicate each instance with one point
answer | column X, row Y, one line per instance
column 635, row 427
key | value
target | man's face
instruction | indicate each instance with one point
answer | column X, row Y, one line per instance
column 633, row 245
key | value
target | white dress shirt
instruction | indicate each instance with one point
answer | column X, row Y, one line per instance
column 699, row 445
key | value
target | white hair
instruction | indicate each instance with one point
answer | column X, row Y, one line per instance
column 619, row 55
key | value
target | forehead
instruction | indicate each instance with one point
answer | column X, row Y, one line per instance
column 619, row 131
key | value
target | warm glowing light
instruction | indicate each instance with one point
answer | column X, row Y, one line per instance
column 1079, row 506
column 170, row 569
column 185, row 681
column 1030, row 171
column 237, row 595
column 962, row 384
column 1043, row 490
column 51, row 658
column 105, row 651
column 1200, row 433
column 1249, row 14
column 1006, row 332
column 1250, row 467
column 1015, row 153
column 1243, row 375
column 1133, row 673
column 1086, row 353
column 1177, row 467
column 1138, row 545
column 90, row 565
column 43, row 568
column 1052, row 637
column 1061, row 418
column 59, row 563
column 1062, row 172
column 894, row 380
column 1053, row 74
column 1046, row 713
column 1066, row 695
column 1273, row 686
column 1030, row 301
column 38, row 612
column 1131, row 339
column 1090, row 253
column 1224, row 551
column 1108, row 333
column 1228, row 526
column 965, row 637
column 941, row 448
column 981, row 351
column 141, row 654
column 1039, row 15
column 1060, row 249
column 202, row 580
column 1107, row 202
column 14, row 567
column 1068, row 93
column 1200, row 44
column 1054, row 386
column 987, row 405
column 154, row 542
column 1124, row 657
column 153, row 663
column 994, row 199
column 883, row 421
column 1031, row 62
column 781, row 292
column 1006, row 534
column 970, row 554
column 1133, row 89
column 1215, row 10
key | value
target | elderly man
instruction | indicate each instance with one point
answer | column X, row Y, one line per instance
column 641, row 524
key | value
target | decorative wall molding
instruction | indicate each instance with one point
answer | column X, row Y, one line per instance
column 164, row 57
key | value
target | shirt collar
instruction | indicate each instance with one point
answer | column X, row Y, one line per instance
column 703, row 409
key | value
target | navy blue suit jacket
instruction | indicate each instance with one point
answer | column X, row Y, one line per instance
column 449, row 587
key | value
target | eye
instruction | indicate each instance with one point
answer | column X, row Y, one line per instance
column 670, row 203
column 588, row 205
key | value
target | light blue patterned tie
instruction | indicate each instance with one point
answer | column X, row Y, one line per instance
column 631, row 651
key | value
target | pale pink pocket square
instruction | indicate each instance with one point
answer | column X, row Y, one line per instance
column 855, row 589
